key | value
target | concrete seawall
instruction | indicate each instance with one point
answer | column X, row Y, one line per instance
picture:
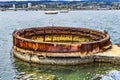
column 111, row 56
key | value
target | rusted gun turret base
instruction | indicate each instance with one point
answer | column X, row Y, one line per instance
column 59, row 45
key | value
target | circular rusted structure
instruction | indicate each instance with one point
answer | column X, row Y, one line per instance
column 34, row 44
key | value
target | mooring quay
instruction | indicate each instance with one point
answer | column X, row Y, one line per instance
column 63, row 45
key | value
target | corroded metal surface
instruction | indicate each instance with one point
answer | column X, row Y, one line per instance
column 22, row 40
column 52, row 61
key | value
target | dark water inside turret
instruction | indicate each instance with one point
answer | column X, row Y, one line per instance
column 11, row 68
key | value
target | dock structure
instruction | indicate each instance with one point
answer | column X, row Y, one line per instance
column 59, row 45
column 111, row 56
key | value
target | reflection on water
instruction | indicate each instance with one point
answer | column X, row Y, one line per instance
column 53, row 72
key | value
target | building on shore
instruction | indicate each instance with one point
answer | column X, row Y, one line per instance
column 29, row 5
column 13, row 6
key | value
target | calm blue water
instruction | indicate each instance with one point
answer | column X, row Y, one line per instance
column 11, row 20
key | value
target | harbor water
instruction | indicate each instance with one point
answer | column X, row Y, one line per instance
column 14, row 69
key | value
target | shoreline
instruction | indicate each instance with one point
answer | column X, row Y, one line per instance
column 2, row 10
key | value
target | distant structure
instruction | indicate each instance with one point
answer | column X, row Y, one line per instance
column 60, row 5
column 24, row 6
column 29, row 5
column 13, row 6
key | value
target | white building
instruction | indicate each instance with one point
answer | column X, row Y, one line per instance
column 29, row 5
column 13, row 6
column 23, row 5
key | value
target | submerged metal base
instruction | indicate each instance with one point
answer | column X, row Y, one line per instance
column 111, row 56
column 50, row 60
